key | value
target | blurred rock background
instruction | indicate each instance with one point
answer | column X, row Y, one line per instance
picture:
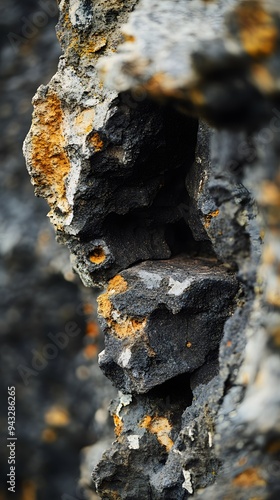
column 61, row 395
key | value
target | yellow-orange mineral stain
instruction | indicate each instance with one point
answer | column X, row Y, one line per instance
column 161, row 427
column 50, row 162
column 257, row 29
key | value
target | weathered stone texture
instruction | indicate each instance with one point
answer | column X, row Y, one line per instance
column 180, row 221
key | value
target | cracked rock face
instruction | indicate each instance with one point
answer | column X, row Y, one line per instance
column 179, row 221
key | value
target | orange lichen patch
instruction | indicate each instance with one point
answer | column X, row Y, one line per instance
column 270, row 194
column 249, row 478
column 96, row 141
column 84, row 122
column 50, row 163
column 92, row 45
column 122, row 327
column 90, row 351
column 97, row 255
column 128, row 327
column 209, row 217
column 258, row 32
column 189, row 344
column 262, row 78
column 104, row 306
column 92, row 329
column 57, row 417
column 29, row 490
column 117, row 284
column 161, row 428
column 274, row 447
column 118, row 425
column 49, row 435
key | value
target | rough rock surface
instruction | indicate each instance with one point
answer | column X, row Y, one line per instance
column 143, row 196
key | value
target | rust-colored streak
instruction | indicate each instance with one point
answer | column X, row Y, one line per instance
column 161, row 427
column 258, row 32
column 249, row 478
column 50, row 161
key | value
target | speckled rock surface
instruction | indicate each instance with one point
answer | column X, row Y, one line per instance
column 141, row 190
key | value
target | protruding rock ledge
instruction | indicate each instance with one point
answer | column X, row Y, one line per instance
column 162, row 318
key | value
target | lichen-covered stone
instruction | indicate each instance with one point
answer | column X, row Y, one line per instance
column 183, row 301
column 140, row 185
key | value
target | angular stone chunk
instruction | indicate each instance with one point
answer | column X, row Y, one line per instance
column 162, row 318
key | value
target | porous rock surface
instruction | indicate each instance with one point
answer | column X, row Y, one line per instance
column 180, row 221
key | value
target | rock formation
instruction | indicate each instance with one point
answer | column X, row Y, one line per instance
column 156, row 147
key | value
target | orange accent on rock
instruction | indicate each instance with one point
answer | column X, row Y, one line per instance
column 96, row 142
column 118, row 425
column 258, row 32
column 50, row 162
column 208, row 218
column 117, row 284
column 97, row 256
column 161, row 427
column 104, row 306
